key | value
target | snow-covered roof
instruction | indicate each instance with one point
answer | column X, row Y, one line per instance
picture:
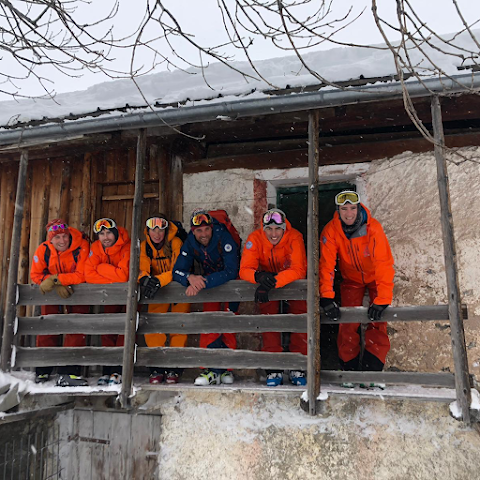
column 339, row 65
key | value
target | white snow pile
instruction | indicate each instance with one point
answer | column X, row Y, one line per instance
column 224, row 84
column 455, row 410
column 12, row 390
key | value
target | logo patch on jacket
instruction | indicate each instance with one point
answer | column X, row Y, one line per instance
column 228, row 247
column 249, row 245
column 35, row 259
column 91, row 253
column 184, row 253
column 324, row 240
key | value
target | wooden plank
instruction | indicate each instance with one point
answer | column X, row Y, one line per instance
column 218, row 358
column 10, row 302
column 101, row 447
column 88, row 324
column 60, row 356
column 313, row 250
column 455, row 310
column 133, row 288
column 84, row 294
column 446, row 380
column 127, row 197
column 205, row 322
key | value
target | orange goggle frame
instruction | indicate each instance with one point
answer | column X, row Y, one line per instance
column 103, row 223
column 197, row 220
column 155, row 222
column 343, row 197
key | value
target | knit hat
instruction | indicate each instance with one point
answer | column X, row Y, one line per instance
column 54, row 227
column 276, row 217
column 200, row 218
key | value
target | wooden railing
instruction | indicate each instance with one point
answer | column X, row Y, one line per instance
column 195, row 323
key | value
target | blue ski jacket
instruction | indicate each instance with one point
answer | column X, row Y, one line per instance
column 219, row 259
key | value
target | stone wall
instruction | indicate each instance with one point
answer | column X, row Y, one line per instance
column 402, row 194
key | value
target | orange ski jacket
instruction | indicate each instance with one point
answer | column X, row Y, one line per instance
column 109, row 265
column 68, row 265
column 364, row 258
column 287, row 259
column 157, row 263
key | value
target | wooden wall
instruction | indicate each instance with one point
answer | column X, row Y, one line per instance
column 79, row 189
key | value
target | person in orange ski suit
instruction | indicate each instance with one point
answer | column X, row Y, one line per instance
column 158, row 254
column 365, row 261
column 57, row 264
column 274, row 256
column 109, row 262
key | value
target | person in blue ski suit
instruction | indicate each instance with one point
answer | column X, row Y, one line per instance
column 211, row 245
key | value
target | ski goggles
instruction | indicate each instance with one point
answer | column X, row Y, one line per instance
column 156, row 222
column 58, row 226
column 343, row 197
column 200, row 218
column 107, row 223
column 273, row 217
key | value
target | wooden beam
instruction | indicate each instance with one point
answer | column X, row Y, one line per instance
column 116, row 294
column 218, row 358
column 455, row 310
column 60, row 356
column 221, row 322
column 313, row 298
column 446, row 380
column 133, row 288
column 127, row 197
column 10, row 306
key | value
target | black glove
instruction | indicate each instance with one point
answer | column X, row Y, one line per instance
column 330, row 308
column 150, row 286
column 266, row 279
column 261, row 294
column 375, row 312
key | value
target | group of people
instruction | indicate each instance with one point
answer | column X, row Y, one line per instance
column 209, row 256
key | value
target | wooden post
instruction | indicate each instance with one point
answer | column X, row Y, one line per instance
column 313, row 305
column 10, row 308
column 462, row 383
column 175, row 182
column 132, row 300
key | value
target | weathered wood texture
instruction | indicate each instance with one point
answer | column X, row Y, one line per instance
column 11, row 286
column 116, row 294
column 450, row 254
column 204, row 322
column 113, row 445
column 133, row 288
column 58, row 356
column 218, row 358
column 313, row 307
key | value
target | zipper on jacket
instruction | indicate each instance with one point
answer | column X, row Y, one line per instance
column 355, row 260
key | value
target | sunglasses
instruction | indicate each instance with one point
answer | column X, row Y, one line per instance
column 155, row 222
column 273, row 217
column 343, row 197
column 197, row 220
column 58, row 226
column 104, row 223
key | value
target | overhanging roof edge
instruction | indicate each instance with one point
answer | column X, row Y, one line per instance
column 240, row 109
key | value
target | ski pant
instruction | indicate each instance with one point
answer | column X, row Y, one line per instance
column 272, row 340
column 159, row 339
column 69, row 339
column 376, row 337
column 214, row 340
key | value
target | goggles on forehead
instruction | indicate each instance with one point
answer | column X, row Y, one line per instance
column 197, row 220
column 58, row 226
column 155, row 222
column 343, row 197
column 273, row 217
column 104, row 223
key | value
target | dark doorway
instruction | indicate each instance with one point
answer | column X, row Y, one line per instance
column 294, row 202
